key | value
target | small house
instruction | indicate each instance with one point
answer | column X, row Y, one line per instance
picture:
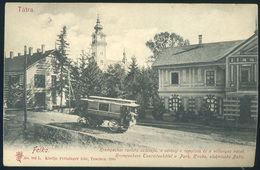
column 41, row 79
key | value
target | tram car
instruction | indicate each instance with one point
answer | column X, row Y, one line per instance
column 121, row 114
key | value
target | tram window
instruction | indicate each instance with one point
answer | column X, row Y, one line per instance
column 93, row 105
column 115, row 108
column 103, row 106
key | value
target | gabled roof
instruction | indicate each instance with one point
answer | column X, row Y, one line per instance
column 17, row 63
column 208, row 52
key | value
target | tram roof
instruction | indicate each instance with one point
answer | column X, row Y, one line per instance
column 113, row 99
column 132, row 104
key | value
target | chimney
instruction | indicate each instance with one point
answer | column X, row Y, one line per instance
column 25, row 50
column 43, row 48
column 19, row 54
column 200, row 39
column 11, row 54
column 30, row 51
column 38, row 50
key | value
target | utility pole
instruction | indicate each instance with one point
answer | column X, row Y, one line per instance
column 69, row 90
column 25, row 90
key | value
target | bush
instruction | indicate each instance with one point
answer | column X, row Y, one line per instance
column 205, row 114
column 181, row 114
column 15, row 97
column 159, row 108
column 142, row 102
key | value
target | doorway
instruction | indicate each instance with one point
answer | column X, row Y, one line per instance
column 245, row 109
column 40, row 99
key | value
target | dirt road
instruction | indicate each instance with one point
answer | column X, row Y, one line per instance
column 146, row 135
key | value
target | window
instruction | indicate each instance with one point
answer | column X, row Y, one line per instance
column 115, row 108
column 93, row 105
column 39, row 81
column 252, row 59
column 232, row 73
column 101, row 53
column 192, row 106
column 174, row 103
column 175, row 77
column 210, row 77
column 103, row 106
column 245, row 75
column 212, row 103
column 101, row 61
column 14, row 80
column 53, row 81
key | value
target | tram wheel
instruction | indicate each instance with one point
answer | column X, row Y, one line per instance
column 113, row 125
column 123, row 130
column 80, row 121
column 91, row 122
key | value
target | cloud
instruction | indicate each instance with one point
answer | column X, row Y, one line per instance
column 127, row 26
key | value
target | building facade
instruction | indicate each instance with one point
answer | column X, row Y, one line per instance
column 222, row 75
column 41, row 79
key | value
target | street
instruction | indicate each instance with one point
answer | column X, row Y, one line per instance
column 147, row 136
column 60, row 134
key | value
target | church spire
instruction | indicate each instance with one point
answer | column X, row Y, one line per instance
column 98, row 27
column 124, row 57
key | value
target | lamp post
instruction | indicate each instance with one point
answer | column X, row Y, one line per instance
column 25, row 90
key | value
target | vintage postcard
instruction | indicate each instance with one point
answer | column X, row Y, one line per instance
column 130, row 85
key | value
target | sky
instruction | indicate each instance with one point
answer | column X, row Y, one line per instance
column 127, row 26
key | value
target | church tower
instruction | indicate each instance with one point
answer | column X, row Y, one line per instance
column 124, row 60
column 99, row 45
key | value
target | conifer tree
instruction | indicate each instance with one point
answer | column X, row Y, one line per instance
column 115, row 77
column 93, row 78
column 132, row 84
column 62, row 61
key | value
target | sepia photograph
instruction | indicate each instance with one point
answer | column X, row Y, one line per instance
column 130, row 85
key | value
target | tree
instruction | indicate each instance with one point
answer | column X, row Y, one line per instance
column 131, row 81
column 163, row 40
column 77, row 77
column 115, row 77
column 93, row 79
column 148, row 89
column 62, row 61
